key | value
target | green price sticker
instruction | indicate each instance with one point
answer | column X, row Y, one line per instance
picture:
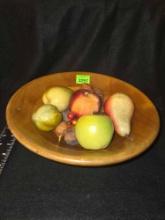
column 83, row 79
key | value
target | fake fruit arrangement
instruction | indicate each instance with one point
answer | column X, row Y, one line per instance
column 120, row 108
column 46, row 117
column 94, row 131
column 84, row 116
column 58, row 96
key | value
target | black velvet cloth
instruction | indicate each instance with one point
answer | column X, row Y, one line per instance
column 124, row 39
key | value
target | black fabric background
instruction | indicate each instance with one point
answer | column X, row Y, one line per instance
column 118, row 38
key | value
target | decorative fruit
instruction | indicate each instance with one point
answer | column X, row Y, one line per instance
column 69, row 136
column 65, row 115
column 66, row 130
column 120, row 108
column 93, row 89
column 58, row 96
column 71, row 116
column 94, row 131
column 46, row 117
column 84, row 102
column 60, row 129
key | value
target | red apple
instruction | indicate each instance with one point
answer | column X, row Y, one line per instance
column 120, row 108
column 84, row 102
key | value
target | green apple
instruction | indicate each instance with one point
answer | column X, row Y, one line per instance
column 94, row 131
column 58, row 96
column 46, row 117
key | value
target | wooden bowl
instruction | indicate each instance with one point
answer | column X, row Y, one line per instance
column 145, row 122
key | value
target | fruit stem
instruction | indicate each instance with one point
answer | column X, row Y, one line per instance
column 86, row 93
column 59, row 138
